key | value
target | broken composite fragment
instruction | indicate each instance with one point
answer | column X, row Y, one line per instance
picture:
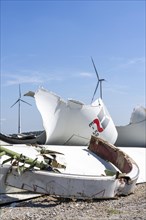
column 73, row 122
column 108, row 172
column 134, row 133
column 24, row 139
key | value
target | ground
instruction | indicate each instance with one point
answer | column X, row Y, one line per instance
column 45, row 207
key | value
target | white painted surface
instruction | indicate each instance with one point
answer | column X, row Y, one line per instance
column 138, row 154
column 133, row 134
column 83, row 177
column 11, row 194
column 72, row 122
column 77, row 159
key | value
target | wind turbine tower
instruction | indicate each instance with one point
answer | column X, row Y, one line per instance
column 99, row 82
column 19, row 100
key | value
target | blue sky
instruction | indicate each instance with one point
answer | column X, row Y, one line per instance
column 50, row 44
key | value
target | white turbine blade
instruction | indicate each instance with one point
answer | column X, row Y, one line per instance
column 15, row 103
column 19, row 91
column 95, row 69
column 25, row 102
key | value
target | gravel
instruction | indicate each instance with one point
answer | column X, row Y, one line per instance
column 46, row 207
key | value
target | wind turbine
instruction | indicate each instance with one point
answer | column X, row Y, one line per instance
column 19, row 100
column 99, row 82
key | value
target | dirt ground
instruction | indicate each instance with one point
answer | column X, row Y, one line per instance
column 46, row 207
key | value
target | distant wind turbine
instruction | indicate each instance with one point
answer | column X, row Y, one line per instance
column 19, row 100
column 99, row 82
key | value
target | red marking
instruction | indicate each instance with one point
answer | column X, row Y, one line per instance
column 97, row 122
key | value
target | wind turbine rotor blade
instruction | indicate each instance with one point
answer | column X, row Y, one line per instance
column 19, row 91
column 25, row 102
column 95, row 91
column 95, row 69
column 15, row 103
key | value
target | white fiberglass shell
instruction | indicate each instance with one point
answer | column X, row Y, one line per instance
column 72, row 122
column 133, row 134
column 87, row 182
column 138, row 115
column 78, row 161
